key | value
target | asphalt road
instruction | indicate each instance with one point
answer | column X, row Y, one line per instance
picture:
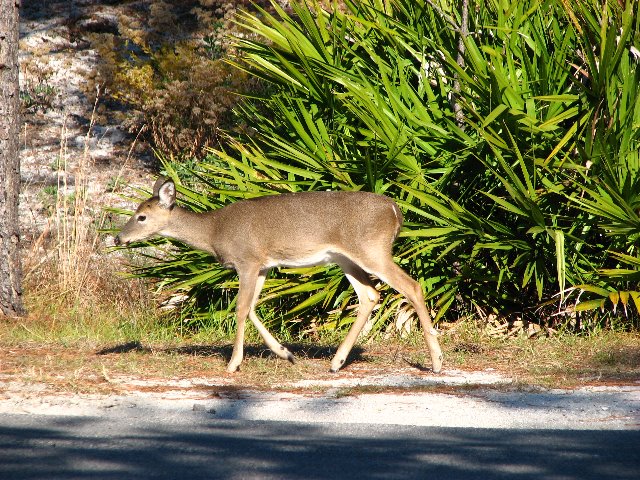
column 193, row 445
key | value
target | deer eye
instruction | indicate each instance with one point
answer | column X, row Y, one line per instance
column 142, row 218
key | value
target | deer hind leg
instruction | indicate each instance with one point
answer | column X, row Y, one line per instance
column 399, row 280
column 368, row 297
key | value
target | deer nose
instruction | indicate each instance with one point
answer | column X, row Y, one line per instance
column 116, row 241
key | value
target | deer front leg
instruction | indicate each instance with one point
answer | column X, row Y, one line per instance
column 238, row 344
column 246, row 291
column 275, row 346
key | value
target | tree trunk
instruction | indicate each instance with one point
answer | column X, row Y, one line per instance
column 10, row 269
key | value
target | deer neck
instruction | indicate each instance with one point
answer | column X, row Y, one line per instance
column 193, row 229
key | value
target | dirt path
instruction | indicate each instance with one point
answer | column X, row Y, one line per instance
column 453, row 399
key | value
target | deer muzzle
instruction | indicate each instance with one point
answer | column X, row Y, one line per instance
column 118, row 241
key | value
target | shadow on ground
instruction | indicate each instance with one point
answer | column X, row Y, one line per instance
column 79, row 448
column 300, row 350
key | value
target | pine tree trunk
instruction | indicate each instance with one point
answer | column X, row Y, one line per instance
column 10, row 269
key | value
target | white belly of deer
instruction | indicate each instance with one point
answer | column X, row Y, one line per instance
column 323, row 257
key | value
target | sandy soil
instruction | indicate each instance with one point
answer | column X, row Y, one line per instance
column 455, row 398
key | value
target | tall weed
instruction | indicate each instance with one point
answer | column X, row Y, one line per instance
column 68, row 278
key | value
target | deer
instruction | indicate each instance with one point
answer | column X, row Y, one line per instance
column 352, row 229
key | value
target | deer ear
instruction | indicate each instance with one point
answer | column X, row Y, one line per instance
column 167, row 194
column 156, row 186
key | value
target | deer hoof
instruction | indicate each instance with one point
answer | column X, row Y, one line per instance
column 336, row 365
column 437, row 365
column 233, row 367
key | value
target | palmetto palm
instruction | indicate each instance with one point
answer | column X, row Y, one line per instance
column 507, row 203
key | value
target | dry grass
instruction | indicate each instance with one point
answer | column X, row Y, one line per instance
column 73, row 287
column 89, row 365
column 563, row 360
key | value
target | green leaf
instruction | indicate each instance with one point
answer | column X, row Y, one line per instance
column 590, row 305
